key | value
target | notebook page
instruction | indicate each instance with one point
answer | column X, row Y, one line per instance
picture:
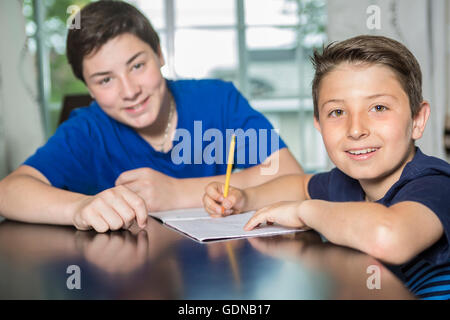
column 197, row 224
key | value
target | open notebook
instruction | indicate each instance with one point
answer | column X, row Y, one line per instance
column 198, row 225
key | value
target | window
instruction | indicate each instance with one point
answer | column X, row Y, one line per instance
column 262, row 46
column 46, row 30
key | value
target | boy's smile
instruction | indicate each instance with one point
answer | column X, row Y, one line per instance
column 362, row 154
column 366, row 124
column 138, row 108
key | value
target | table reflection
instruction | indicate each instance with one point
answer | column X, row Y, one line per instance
column 159, row 263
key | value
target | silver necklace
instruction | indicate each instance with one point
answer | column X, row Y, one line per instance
column 160, row 146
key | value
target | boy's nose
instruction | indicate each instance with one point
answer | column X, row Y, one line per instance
column 130, row 91
column 357, row 127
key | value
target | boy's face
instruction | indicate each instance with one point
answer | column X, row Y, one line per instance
column 365, row 121
column 124, row 77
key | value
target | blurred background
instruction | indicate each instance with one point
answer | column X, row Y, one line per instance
column 262, row 46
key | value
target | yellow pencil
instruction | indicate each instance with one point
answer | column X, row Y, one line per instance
column 231, row 255
column 234, row 264
column 229, row 167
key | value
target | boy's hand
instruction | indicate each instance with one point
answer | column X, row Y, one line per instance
column 111, row 209
column 285, row 213
column 157, row 189
column 213, row 200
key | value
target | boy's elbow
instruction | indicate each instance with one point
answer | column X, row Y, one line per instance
column 387, row 246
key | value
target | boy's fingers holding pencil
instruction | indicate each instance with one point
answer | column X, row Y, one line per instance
column 212, row 207
column 215, row 203
column 215, row 191
column 235, row 200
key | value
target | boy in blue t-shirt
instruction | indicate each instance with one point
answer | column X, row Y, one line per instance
column 385, row 197
column 146, row 143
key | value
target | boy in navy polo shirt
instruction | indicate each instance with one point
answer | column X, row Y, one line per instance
column 385, row 197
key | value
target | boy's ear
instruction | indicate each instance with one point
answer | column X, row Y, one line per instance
column 317, row 125
column 162, row 62
column 420, row 120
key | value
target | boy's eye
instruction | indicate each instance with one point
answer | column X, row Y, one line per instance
column 336, row 113
column 105, row 80
column 138, row 65
column 379, row 108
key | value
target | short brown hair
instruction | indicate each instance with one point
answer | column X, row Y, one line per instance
column 102, row 21
column 371, row 50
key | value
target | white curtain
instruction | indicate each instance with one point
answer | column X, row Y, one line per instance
column 21, row 129
column 421, row 26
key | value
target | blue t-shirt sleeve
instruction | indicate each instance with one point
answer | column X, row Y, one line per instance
column 250, row 126
column 65, row 160
column 434, row 193
column 318, row 186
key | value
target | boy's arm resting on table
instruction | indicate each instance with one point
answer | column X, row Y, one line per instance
column 292, row 187
column 393, row 234
column 27, row 195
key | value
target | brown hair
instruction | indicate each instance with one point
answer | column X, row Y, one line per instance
column 372, row 50
column 102, row 21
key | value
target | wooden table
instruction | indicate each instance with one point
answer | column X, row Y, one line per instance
column 55, row 262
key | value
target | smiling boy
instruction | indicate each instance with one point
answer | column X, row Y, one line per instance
column 385, row 197
column 111, row 163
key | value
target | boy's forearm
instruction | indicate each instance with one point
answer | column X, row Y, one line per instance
column 25, row 198
column 285, row 188
column 278, row 164
column 190, row 191
column 358, row 225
